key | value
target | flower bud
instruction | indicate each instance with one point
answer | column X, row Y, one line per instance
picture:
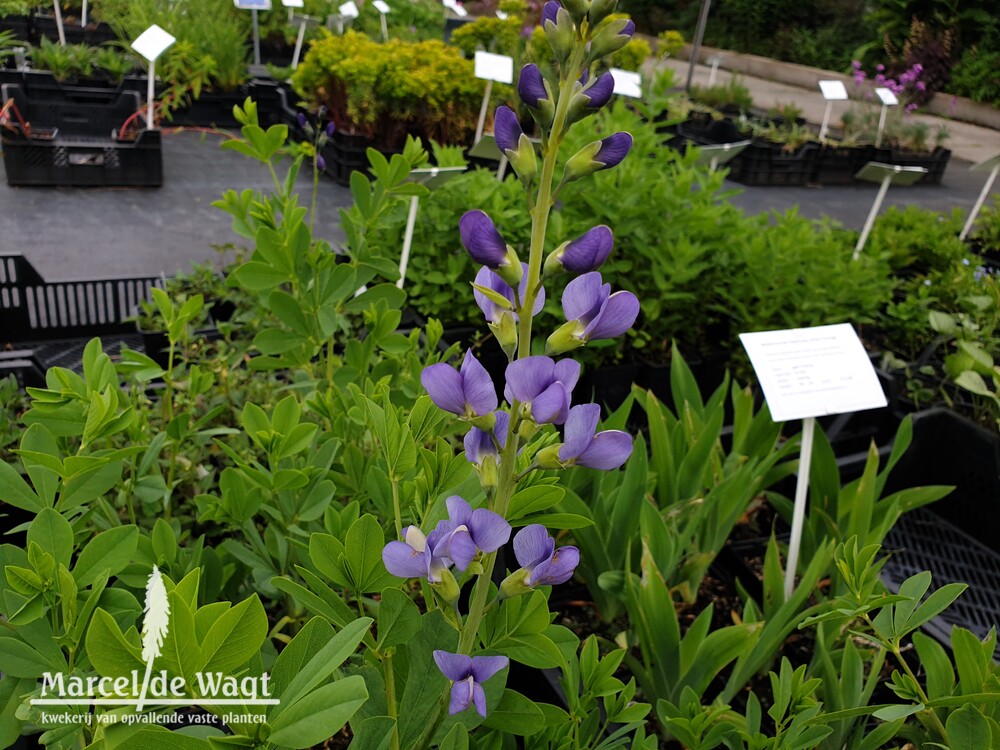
column 505, row 330
column 603, row 154
column 514, row 144
column 320, row 163
column 331, row 128
column 550, row 11
column 534, row 92
column 485, row 246
column 582, row 255
column 561, row 33
column 577, row 9
column 548, row 458
column 447, row 588
column 587, row 101
column 611, row 38
column 599, row 10
column 515, row 584
column 300, row 118
column 485, row 422
column 488, row 474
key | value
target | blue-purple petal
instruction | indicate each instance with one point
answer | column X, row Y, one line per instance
column 557, row 569
column 462, row 694
column 550, row 12
column 506, row 129
column 528, row 377
column 455, row 667
column 532, row 545
column 551, row 406
column 461, row 548
column 489, row 530
column 567, row 372
column 482, row 240
column 580, row 428
column 479, row 699
column 583, row 297
column 614, row 149
column 484, row 667
column 444, row 385
column 608, row 450
column 531, row 85
column 616, row 316
column 459, row 511
column 402, row 560
column 587, row 252
column 480, row 393
column 600, row 93
column 478, row 445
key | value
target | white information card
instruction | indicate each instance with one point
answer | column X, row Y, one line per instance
column 348, row 9
column 490, row 67
column 887, row 97
column 833, row 90
column 627, row 83
column 810, row 372
column 381, row 6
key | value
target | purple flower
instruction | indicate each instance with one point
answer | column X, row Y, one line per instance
column 880, row 67
column 489, row 280
column 613, row 149
column 531, row 86
column 506, row 129
column 300, row 118
column 468, row 392
column 483, row 444
column 538, row 557
column 921, row 86
column 467, row 531
column 594, row 311
column 600, row 91
column 468, row 673
column 606, row 450
column 550, row 12
column 320, row 163
column 586, row 253
column 482, row 240
column 331, row 128
column 416, row 557
column 543, row 386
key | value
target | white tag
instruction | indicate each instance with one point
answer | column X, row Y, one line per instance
column 627, row 83
column 888, row 98
column 492, row 67
column 151, row 43
column 293, row 3
column 460, row 11
column 253, row 4
column 381, row 7
column 449, row 3
column 501, row 15
column 810, row 372
column 348, row 9
column 833, row 90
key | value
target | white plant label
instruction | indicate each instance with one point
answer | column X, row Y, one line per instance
column 490, row 67
column 887, row 97
column 152, row 42
column 348, row 9
column 811, row 372
column 381, row 7
column 293, row 3
column 627, row 83
column 253, row 4
column 833, row 90
column 501, row 15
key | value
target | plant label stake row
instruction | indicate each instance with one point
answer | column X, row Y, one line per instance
column 151, row 44
column 806, row 373
column 719, row 154
column 991, row 165
column 304, row 23
column 432, row 178
column 888, row 99
column 832, row 91
column 883, row 175
column 490, row 68
column 382, row 9
column 292, row 5
column 254, row 6
column 346, row 14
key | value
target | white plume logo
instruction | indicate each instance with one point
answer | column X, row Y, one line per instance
column 154, row 627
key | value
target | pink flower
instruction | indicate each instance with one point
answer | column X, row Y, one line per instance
column 921, row 86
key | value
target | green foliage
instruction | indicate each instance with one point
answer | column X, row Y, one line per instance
column 490, row 34
column 732, row 93
column 976, row 77
column 387, row 90
column 417, row 21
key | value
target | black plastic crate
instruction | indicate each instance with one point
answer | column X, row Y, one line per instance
column 35, row 310
column 837, row 165
column 922, row 540
column 72, row 143
column 769, row 164
column 935, row 163
column 94, row 34
column 22, row 26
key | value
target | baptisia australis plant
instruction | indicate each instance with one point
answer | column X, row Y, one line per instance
column 509, row 442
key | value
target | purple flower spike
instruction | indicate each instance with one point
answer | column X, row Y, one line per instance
column 598, row 313
column 606, row 450
column 537, row 554
column 600, row 93
column 300, row 118
column 331, row 128
column 543, row 385
column 488, row 279
column 468, row 673
column 506, row 129
column 531, row 85
column 550, row 12
column 467, row 531
column 482, row 240
column 416, row 557
column 480, row 444
column 320, row 163
column 614, row 149
column 468, row 392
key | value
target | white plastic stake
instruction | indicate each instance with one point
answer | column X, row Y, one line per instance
column 715, row 69
column 888, row 99
column 411, row 222
column 870, row 221
column 502, row 168
column 151, row 44
column 150, row 95
column 59, row 23
column 832, row 91
column 826, row 120
column 299, row 40
column 979, row 202
column 83, row 16
column 799, row 512
column 256, row 39
column 482, row 111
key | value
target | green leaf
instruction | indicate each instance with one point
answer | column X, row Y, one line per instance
column 108, row 650
column 456, row 739
column 968, row 729
column 320, row 714
column 18, row 659
column 11, row 691
column 15, row 491
column 107, row 553
column 398, row 618
column 516, row 715
column 363, row 556
column 52, row 533
column 534, row 499
column 299, row 651
column 235, row 637
column 89, row 485
column 898, row 712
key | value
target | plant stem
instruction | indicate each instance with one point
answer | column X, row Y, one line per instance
column 312, row 207
column 390, row 699
column 395, row 508
column 931, row 714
